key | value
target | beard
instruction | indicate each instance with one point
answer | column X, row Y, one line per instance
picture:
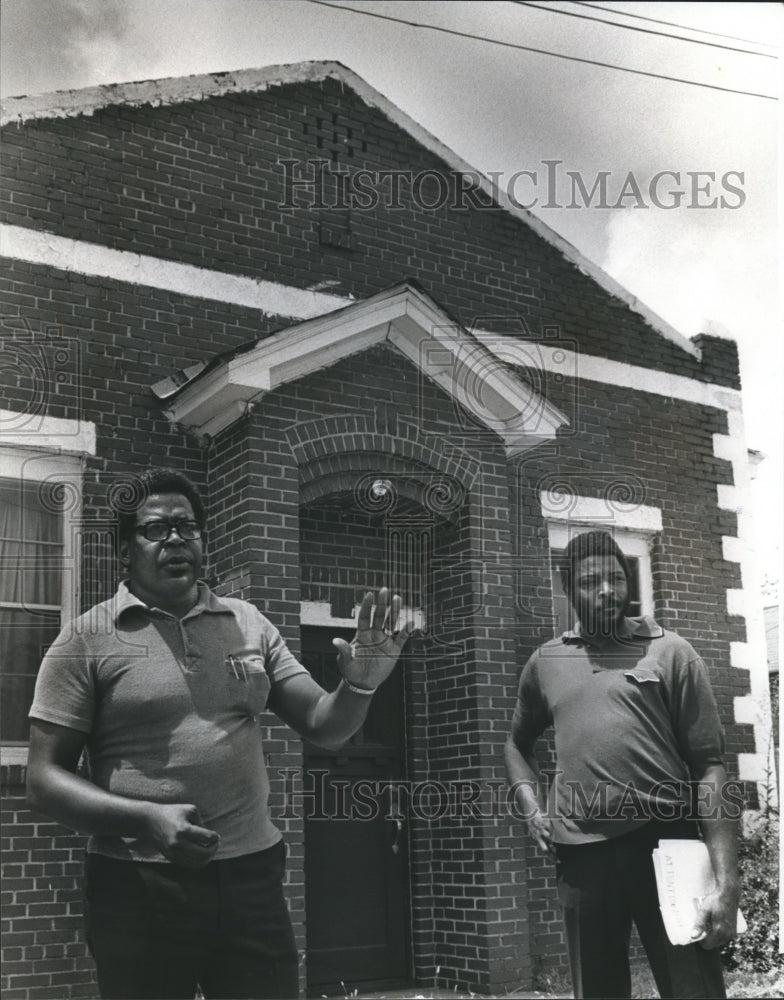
column 602, row 620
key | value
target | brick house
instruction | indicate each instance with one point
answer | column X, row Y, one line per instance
column 379, row 370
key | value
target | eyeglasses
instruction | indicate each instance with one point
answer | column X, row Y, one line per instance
column 159, row 531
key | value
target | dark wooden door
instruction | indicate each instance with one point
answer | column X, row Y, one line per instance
column 356, row 842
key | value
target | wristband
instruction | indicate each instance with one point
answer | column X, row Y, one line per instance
column 357, row 690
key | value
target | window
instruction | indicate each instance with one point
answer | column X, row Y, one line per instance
column 634, row 529
column 40, row 504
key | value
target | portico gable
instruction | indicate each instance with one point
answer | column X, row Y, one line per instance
column 214, row 395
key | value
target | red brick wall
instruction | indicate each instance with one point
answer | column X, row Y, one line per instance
column 44, row 954
column 253, row 474
column 200, row 184
column 458, row 878
column 203, row 183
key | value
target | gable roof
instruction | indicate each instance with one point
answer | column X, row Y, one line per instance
column 215, row 395
column 179, row 90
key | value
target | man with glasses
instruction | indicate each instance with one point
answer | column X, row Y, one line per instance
column 163, row 685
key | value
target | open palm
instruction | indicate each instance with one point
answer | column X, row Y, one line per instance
column 371, row 655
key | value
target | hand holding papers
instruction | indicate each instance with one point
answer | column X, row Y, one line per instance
column 684, row 877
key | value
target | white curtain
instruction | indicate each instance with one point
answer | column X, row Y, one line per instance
column 31, row 551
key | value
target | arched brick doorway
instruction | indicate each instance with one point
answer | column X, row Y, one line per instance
column 358, row 531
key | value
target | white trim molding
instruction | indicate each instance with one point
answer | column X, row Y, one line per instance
column 561, row 361
column 403, row 317
column 80, row 257
column 320, row 613
column 33, row 430
column 275, row 299
column 598, row 511
column 634, row 527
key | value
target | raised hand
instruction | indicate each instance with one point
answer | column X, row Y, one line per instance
column 370, row 657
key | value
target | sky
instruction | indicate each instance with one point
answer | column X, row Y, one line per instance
column 708, row 262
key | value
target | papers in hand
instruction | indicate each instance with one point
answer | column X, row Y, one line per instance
column 684, row 877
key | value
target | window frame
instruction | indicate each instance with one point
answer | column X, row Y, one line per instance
column 28, row 465
column 635, row 527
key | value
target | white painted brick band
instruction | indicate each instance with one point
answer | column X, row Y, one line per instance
column 275, row 299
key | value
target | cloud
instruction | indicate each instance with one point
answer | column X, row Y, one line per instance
column 47, row 42
column 695, row 265
column 691, row 270
column 97, row 35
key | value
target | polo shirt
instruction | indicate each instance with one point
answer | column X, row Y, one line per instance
column 634, row 722
column 170, row 710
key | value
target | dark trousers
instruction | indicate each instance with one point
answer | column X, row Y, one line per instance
column 156, row 930
column 606, row 885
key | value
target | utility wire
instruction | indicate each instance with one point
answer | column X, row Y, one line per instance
column 544, row 52
column 646, row 31
column 670, row 24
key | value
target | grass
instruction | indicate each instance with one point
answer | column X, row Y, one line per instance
column 754, row 986
column 739, row 984
column 757, row 985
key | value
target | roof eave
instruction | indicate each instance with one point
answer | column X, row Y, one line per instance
column 406, row 319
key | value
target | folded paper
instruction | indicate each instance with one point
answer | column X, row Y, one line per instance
column 684, row 877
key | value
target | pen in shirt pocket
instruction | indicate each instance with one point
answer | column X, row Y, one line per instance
column 236, row 666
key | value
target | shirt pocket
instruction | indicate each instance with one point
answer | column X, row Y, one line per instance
column 247, row 681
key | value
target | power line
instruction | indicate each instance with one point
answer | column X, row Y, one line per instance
column 670, row 24
column 544, row 52
column 646, row 31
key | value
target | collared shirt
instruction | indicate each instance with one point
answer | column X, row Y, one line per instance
column 634, row 718
column 628, row 628
column 170, row 707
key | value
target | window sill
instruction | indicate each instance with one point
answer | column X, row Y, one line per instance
column 13, row 768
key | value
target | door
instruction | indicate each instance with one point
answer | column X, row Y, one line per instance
column 356, row 851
